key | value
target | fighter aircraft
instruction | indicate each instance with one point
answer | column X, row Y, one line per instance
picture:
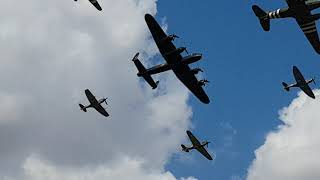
column 301, row 83
column 197, row 145
column 174, row 61
column 94, row 103
column 95, row 3
column 300, row 10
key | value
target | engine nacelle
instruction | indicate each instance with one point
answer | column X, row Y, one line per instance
column 196, row 71
column 191, row 59
column 169, row 38
column 203, row 82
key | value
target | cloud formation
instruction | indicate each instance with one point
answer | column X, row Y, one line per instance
column 50, row 53
column 291, row 152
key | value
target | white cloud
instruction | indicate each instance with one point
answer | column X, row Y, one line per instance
column 124, row 169
column 50, row 52
column 292, row 152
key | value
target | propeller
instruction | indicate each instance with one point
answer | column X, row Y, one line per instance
column 186, row 50
column 206, row 143
column 175, row 36
column 314, row 81
column 106, row 101
column 205, row 81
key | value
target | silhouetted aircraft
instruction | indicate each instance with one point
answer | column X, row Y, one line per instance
column 94, row 103
column 197, row 145
column 174, row 61
column 300, row 10
column 95, row 3
column 301, row 83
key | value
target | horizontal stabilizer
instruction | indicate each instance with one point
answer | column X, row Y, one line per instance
column 184, row 148
column 143, row 72
column 262, row 15
column 82, row 108
column 285, row 86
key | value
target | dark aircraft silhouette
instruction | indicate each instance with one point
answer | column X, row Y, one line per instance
column 300, row 10
column 174, row 61
column 94, row 103
column 197, row 145
column 95, row 3
column 301, row 83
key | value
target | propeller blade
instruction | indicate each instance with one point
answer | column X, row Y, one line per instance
column 175, row 36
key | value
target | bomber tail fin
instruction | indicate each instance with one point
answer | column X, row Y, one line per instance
column 263, row 17
column 285, row 86
column 143, row 72
column 83, row 108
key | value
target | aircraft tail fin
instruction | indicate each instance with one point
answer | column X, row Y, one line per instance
column 143, row 72
column 285, row 86
column 184, row 148
column 83, row 108
column 263, row 17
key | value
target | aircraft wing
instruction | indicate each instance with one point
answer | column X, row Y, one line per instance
column 159, row 36
column 96, row 4
column 301, row 80
column 306, row 89
column 91, row 97
column 193, row 139
column 101, row 110
column 195, row 142
column 184, row 74
column 309, row 28
column 204, row 152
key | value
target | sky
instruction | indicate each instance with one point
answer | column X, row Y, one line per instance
column 52, row 51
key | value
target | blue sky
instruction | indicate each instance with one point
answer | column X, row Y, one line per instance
column 246, row 67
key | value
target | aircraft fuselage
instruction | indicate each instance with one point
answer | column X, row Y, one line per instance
column 299, row 10
column 196, row 147
column 173, row 66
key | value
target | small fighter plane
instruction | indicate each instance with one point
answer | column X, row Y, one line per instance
column 95, row 3
column 174, row 61
column 197, row 145
column 94, row 103
column 300, row 10
column 301, row 83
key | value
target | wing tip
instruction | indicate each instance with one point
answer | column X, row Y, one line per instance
column 205, row 100
column 312, row 96
column 148, row 17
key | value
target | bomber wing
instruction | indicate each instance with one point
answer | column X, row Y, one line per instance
column 159, row 37
column 184, row 74
column 309, row 28
column 301, row 80
column 96, row 4
column 195, row 142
